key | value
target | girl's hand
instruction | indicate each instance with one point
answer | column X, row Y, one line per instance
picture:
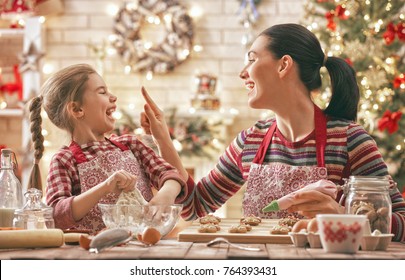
column 120, row 181
column 153, row 119
column 312, row 202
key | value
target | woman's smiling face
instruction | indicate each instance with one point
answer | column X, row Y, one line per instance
column 260, row 74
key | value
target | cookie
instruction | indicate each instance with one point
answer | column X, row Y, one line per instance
column 209, row 219
column 239, row 229
column 288, row 221
column 251, row 220
column 209, row 228
column 280, row 230
column 248, row 227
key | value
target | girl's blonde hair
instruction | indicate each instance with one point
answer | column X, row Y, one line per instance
column 66, row 85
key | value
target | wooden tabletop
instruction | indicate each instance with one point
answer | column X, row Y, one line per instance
column 173, row 249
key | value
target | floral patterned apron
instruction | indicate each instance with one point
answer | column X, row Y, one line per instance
column 274, row 180
column 98, row 170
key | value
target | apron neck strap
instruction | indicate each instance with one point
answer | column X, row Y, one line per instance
column 119, row 145
column 80, row 157
column 320, row 135
column 261, row 152
column 320, row 139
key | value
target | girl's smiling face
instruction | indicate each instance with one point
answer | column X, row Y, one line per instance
column 260, row 74
column 97, row 107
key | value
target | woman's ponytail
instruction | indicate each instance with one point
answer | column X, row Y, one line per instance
column 345, row 91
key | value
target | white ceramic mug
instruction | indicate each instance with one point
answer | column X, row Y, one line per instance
column 341, row 233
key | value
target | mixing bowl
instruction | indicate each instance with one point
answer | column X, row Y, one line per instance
column 137, row 217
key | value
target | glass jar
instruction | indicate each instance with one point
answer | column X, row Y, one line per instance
column 35, row 214
column 10, row 188
column 369, row 195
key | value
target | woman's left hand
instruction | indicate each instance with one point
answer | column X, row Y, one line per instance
column 312, row 202
column 167, row 194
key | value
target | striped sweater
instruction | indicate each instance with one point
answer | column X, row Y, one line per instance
column 350, row 150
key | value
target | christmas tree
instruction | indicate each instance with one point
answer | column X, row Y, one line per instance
column 370, row 36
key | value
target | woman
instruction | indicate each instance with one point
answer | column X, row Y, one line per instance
column 301, row 145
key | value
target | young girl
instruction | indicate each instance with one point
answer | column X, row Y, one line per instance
column 93, row 169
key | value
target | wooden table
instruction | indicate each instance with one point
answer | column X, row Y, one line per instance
column 172, row 249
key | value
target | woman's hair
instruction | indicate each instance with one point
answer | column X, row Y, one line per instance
column 304, row 48
column 66, row 85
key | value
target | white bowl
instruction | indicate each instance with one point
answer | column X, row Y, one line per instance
column 341, row 233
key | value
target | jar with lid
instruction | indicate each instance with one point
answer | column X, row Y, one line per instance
column 369, row 195
column 35, row 214
column 10, row 188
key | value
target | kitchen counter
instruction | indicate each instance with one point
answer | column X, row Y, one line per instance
column 173, row 249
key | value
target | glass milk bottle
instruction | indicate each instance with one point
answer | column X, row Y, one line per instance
column 369, row 195
column 10, row 189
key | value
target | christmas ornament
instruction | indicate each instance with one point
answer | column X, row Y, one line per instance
column 30, row 59
column 394, row 30
column 340, row 12
column 248, row 16
column 143, row 56
column 12, row 91
column 16, row 9
column 389, row 121
column 399, row 81
column 204, row 97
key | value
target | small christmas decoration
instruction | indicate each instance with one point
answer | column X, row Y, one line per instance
column 393, row 31
column 389, row 121
column 30, row 59
column 11, row 92
column 204, row 97
column 14, row 10
column 248, row 17
column 140, row 55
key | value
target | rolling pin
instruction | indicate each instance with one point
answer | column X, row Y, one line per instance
column 35, row 238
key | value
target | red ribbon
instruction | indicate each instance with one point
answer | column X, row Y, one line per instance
column 339, row 12
column 393, row 30
column 11, row 88
column 399, row 80
column 390, row 121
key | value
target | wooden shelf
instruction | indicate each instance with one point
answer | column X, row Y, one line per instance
column 11, row 32
column 11, row 112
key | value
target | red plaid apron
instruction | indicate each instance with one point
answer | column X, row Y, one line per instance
column 98, row 170
column 274, row 180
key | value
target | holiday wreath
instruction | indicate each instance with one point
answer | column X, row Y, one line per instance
column 144, row 56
